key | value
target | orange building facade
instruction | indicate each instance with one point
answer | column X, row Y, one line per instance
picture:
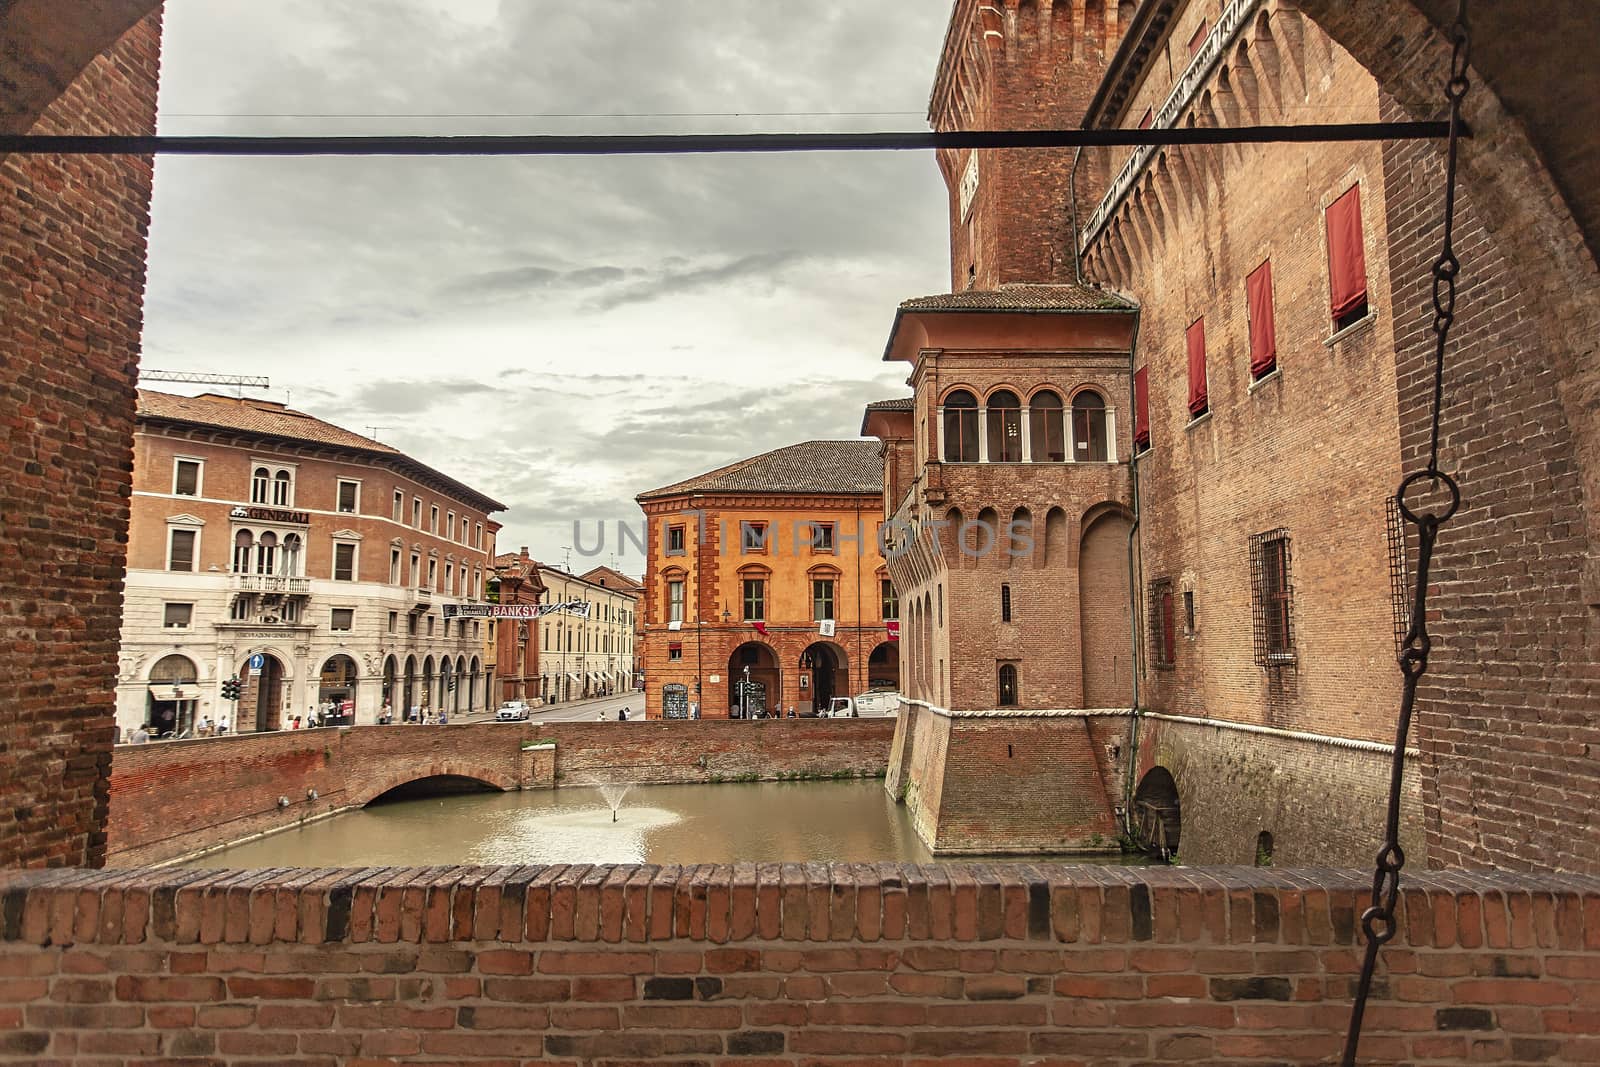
column 766, row 589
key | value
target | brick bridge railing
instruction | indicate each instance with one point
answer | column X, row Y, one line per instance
column 174, row 799
column 815, row 963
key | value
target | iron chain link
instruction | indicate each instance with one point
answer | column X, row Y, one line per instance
column 1378, row 921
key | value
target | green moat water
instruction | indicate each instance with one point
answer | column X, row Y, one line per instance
column 760, row 822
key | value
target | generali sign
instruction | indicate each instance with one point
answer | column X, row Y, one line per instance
column 260, row 514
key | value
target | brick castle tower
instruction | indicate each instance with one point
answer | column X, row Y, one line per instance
column 1027, row 65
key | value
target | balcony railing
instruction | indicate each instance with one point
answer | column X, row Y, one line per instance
column 271, row 583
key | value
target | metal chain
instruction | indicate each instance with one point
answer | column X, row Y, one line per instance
column 1378, row 921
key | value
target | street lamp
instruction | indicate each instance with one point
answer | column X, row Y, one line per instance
column 744, row 696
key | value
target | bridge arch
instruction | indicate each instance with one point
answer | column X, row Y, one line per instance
column 458, row 773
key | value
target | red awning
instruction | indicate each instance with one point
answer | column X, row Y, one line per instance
column 1347, row 256
column 1263, row 331
column 1195, row 337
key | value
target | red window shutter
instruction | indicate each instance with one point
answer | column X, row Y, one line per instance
column 1263, row 331
column 1141, row 407
column 1199, row 37
column 1149, row 117
column 1347, row 256
column 1169, row 638
column 1196, row 338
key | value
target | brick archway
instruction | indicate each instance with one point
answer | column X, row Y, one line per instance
column 374, row 789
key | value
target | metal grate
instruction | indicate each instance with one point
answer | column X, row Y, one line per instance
column 1399, row 573
column 1160, row 624
column 1271, row 598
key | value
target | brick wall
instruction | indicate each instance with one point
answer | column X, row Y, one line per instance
column 172, row 799
column 1506, row 712
column 72, row 269
column 815, row 963
column 1231, row 787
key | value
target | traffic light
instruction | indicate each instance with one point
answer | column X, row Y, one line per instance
column 230, row 689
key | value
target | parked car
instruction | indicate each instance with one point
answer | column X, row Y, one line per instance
column 512, row 711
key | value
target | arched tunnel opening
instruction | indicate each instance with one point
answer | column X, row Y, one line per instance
column 436, row 785
column 1157, row 821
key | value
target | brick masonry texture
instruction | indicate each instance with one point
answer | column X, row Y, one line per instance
column 72, row 270
column 795, row 963
column 176, row 798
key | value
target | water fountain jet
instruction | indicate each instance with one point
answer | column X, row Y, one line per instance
column 613, row 793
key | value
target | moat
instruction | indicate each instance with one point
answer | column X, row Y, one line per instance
column 765, row 822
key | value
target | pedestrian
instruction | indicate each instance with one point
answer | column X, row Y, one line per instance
column 141, row 736
column 791, row 711
column 694, row 709
column 205, row 727
column 386, row 715
column 222, row 724
column 622, row 716
column 444, row 719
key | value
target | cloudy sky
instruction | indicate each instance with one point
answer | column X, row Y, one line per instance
column 559, row 333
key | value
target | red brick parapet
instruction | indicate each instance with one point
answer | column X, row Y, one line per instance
column 1010, row 962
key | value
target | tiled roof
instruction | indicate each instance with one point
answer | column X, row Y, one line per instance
column 611, row 579
column 269, row 419
column 899, row 403
column 1023, row 297
column 252, row 416
column 809, row 467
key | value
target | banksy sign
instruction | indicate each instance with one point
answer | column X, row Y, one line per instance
column 515, row 611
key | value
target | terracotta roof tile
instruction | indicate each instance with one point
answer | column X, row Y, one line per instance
column 899, row 403
column 1023, row 297
column 808, row 467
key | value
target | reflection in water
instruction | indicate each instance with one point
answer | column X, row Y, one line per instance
column 746, row 822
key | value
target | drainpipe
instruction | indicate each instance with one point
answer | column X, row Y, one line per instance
column 1072, row 199
column 1135, row 577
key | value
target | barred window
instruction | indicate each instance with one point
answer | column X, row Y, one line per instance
column 1399, row 575
column 1162, row 625
column 1271, row 597
column 1005, row 603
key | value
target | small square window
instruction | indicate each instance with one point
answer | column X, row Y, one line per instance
column 675, row 652
column 675, row 541
column 822, row 537
column 752, row 537
column 186, row 477
column 349, row 493
column 177, row 616
column 342, row 619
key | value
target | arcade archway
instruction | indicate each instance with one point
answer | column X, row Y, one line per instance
column 824, row 674
column 883, row 666
column 754, row 682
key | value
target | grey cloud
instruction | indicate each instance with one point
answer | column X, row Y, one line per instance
column 412, row 397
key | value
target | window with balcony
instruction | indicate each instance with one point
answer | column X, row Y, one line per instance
column 186, row 477
column 267, row 553
column 243, row 548
column 344, row 562
column 349, row 496
column 177, row 616
column 342, row 619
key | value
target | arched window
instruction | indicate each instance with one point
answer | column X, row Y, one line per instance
column 1008, row 685
column 280, row 489
column 961, row 427
column 242, row 543
column 1005, row 427
column 266, row 553
column 260, row 486
column 1047, row 431
column 1089, row 427
column 291, row 555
